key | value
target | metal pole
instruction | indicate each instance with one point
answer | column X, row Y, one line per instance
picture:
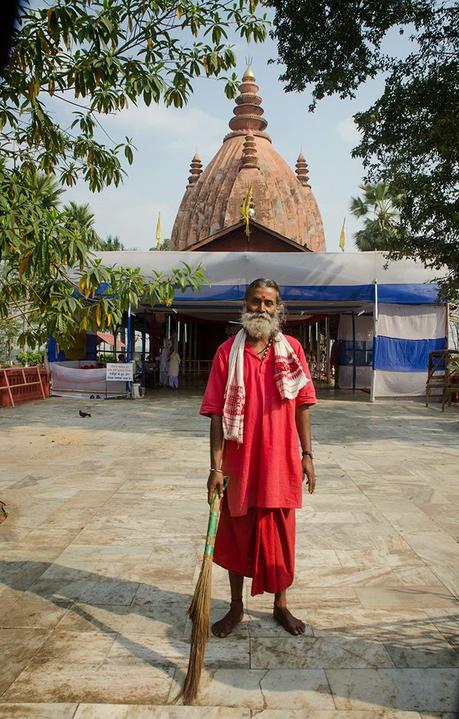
column 128, row 346
column 318, row 349
column 144, row 341
column 129, row 341
column 354, row 368
column 195, row 345
column 327, row 349
column 183, row 356
column 375, row 336
column 447, row 326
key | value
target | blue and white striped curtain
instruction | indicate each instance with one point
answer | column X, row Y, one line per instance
column 406, row 335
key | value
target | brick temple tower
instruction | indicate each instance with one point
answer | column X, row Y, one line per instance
column 285, row 214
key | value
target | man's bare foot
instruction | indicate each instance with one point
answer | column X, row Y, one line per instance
column 226, row 625
column 286, row 619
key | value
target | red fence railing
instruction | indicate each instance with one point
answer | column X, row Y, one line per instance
column 21, row 384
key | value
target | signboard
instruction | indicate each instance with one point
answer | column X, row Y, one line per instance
column 122, row 372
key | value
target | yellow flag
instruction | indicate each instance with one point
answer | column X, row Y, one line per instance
column 158, row 231
column 245, row 209
column 342, row 237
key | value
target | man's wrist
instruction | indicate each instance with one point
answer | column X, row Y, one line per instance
column 307, row 453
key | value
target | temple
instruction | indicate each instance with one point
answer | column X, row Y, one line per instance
column 284, row 214
column 364, row 322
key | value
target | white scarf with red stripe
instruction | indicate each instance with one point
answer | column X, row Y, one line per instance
column 289, row 377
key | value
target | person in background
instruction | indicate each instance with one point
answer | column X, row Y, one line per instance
column 163, row 365
column 173, row 369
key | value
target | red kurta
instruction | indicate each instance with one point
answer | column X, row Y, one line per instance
column 265, row 470
column 256, row 533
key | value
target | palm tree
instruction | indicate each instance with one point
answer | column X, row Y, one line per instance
column 82, row 219
column 46, row 189
column 378, row 209
column 112, row 244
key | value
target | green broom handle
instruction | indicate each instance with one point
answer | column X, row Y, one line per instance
column 212, row 524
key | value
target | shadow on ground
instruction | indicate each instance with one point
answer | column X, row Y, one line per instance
column 76, row 591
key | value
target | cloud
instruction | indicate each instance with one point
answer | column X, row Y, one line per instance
column 347, row 130
column 177, row 129
column 126, row 213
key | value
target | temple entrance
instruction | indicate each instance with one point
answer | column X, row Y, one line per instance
column 337, row 355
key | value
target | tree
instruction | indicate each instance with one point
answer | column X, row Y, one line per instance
column 164, row 246
column 83, row 220
column 99, row 56
column 409, row 135
column 380, row 215
column 112, row 244
column 95, row 57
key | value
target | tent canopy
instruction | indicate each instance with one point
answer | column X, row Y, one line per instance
column 314, row 282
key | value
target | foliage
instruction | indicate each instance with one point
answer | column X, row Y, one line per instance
column 30, row 358
column 9, row 330
column 51, row 279
column 111, row 244
column 97, row 57
column 165, row 246
column 381, row 218
column 409, row 135
column 81, row 217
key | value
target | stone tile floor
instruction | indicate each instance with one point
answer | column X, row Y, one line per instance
column 100, row 552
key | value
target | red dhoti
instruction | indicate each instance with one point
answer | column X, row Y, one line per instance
column 260, row 544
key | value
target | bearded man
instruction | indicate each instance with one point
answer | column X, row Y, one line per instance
column 257, row 397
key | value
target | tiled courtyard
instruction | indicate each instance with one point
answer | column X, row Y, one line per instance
column 101, row 549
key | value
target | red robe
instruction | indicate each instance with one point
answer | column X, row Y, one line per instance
column 256, row 534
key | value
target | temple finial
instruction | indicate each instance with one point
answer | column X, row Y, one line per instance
column 195, row 170
column 302, row 170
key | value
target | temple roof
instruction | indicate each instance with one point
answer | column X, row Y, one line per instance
column 282, row 198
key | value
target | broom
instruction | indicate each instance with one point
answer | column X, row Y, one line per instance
column 199, row 609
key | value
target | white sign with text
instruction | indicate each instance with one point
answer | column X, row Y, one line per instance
column 122, row 372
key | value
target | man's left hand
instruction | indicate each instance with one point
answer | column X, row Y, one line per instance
column 308, row 471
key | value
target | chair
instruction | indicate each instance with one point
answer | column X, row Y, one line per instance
column 443, row 375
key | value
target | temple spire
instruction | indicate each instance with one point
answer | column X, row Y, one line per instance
column 195, row 170
column 248, row 111
column 302, row 172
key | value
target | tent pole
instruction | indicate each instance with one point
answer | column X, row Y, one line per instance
column 447, row 326
column 144, row 341
column 318, row 349
column 354, row 368
column 375, row 334
column 128, row 347
column 129, row 327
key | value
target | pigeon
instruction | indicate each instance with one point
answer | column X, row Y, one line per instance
column 84, row 414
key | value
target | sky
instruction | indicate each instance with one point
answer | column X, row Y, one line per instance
column 167, row 138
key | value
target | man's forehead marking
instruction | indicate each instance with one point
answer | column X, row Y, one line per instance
column 263, row 293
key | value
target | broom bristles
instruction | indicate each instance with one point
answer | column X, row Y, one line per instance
column 199, row 612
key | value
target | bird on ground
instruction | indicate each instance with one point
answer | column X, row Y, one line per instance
column 84, row 414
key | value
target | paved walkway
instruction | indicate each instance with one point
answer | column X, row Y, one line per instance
column 101, row 548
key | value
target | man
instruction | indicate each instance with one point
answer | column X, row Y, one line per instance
column 257, row 397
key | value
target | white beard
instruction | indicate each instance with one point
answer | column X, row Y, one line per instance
column 260, row 325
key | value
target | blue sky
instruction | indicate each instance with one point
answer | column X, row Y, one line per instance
column 167, row 138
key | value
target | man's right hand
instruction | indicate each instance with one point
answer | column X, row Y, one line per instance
column 215, row 482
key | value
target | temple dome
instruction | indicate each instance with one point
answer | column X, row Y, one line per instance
column 282, row 200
